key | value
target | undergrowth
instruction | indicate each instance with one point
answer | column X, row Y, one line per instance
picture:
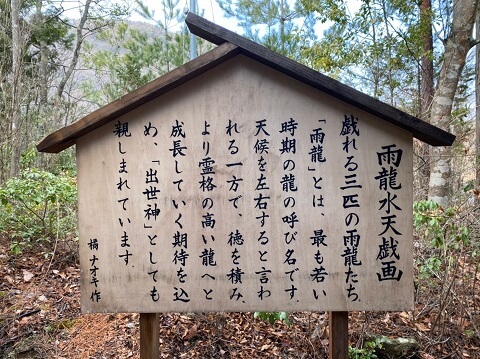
column 38, row 206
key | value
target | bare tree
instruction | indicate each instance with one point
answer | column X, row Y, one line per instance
column 80, row 36
column 457, row 44
column 17, row 51
column 43, row 63
column 477, row 103
column 427, row 88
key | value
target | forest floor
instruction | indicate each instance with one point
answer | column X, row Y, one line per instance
column 40, row 318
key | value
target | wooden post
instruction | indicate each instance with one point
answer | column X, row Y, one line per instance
column 338, row 340
column 149, row 336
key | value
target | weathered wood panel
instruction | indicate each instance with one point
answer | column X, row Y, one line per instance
column 243, row 190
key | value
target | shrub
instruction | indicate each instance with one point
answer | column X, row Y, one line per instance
column 271, row 317
column 37, row 206
column 368, row 351
column 442, row 230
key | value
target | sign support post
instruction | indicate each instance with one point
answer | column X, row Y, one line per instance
column 338, row 336
column 149, row 336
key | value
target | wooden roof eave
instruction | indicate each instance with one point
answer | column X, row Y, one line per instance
column 419, row 129
column 67, row 136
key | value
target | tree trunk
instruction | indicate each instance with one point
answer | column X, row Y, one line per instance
column 43, row 65
column 376, row 61
column 457, row 45
column 427, row 58
column 427, row 90
column 76, row 52
column 477, row 107
column 15, row 109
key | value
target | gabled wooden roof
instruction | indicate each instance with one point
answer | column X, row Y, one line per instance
column 230, row 45
column 67, row 136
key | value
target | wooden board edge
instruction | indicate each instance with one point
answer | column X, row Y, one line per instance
column 419, row 129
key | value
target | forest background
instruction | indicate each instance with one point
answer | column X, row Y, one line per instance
column 60, row 60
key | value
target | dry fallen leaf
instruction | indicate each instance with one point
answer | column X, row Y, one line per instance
column 422, row 327
column 25, row 320
column 426, row 356
column 190, row 333
column 405, row 315
column 27, row 276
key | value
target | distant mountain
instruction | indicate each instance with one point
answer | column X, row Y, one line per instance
column 152, row 31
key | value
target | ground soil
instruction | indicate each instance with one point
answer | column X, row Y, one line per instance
column 40, row 318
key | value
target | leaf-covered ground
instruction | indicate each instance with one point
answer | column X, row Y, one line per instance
column 40, row 318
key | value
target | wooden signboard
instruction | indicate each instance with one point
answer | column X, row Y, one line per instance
column 241, row 190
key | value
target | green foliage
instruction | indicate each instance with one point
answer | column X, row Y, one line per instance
column 368, row 351
column 28, row 157
column 441, row 229
column 439, row 225
column 129, row 65
column 132, row 60
column 37, row 206
column 276, row 24
column 50, row 29
column 372, row 45
column 60, row 325
column 271, row 317
column 135, row 54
